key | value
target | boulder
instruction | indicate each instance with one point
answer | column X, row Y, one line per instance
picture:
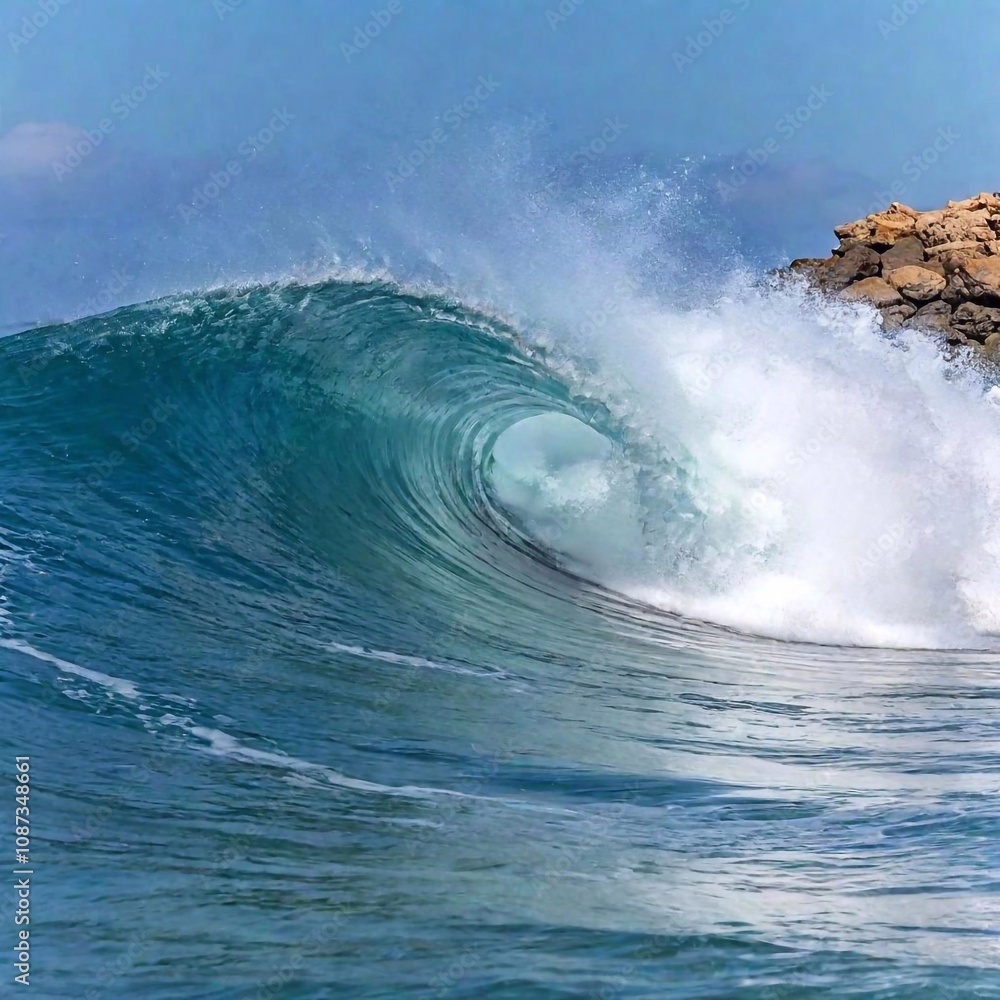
column 909, row 250
column 981, row 278
column 933, row 316
column 893, row 316
column 846, row 245
column 949, row 262
column 975, row 321
column 877, row 291
column 857, row 263
column 916, row 283
column 806, row 263
column 955, row 292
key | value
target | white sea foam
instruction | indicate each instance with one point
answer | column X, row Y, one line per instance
column 387, row 656
column 116, row 684
column 221, row 744
column 846, row 485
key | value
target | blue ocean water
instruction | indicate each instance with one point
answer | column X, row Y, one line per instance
column 371, row 637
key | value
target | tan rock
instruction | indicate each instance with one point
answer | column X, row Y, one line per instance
column 981, row 277
column 986, row 200
column 882, row 229
column 916, row 283
column 874, row 290
column 949, row 262
column 926, row 221
column 959, row 246
column 852, row 232
column 953, row 225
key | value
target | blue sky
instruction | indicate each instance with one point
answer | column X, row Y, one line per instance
column 900, row 93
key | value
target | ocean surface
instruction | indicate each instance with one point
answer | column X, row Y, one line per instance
column 370, row 640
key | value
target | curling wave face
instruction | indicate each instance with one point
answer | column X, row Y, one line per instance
column 772, row 465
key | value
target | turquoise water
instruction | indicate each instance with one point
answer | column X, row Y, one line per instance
column 345, row 675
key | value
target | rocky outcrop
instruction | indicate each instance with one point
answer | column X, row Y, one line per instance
column 936, row 271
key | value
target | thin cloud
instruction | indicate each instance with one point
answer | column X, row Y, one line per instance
column 30, row 149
